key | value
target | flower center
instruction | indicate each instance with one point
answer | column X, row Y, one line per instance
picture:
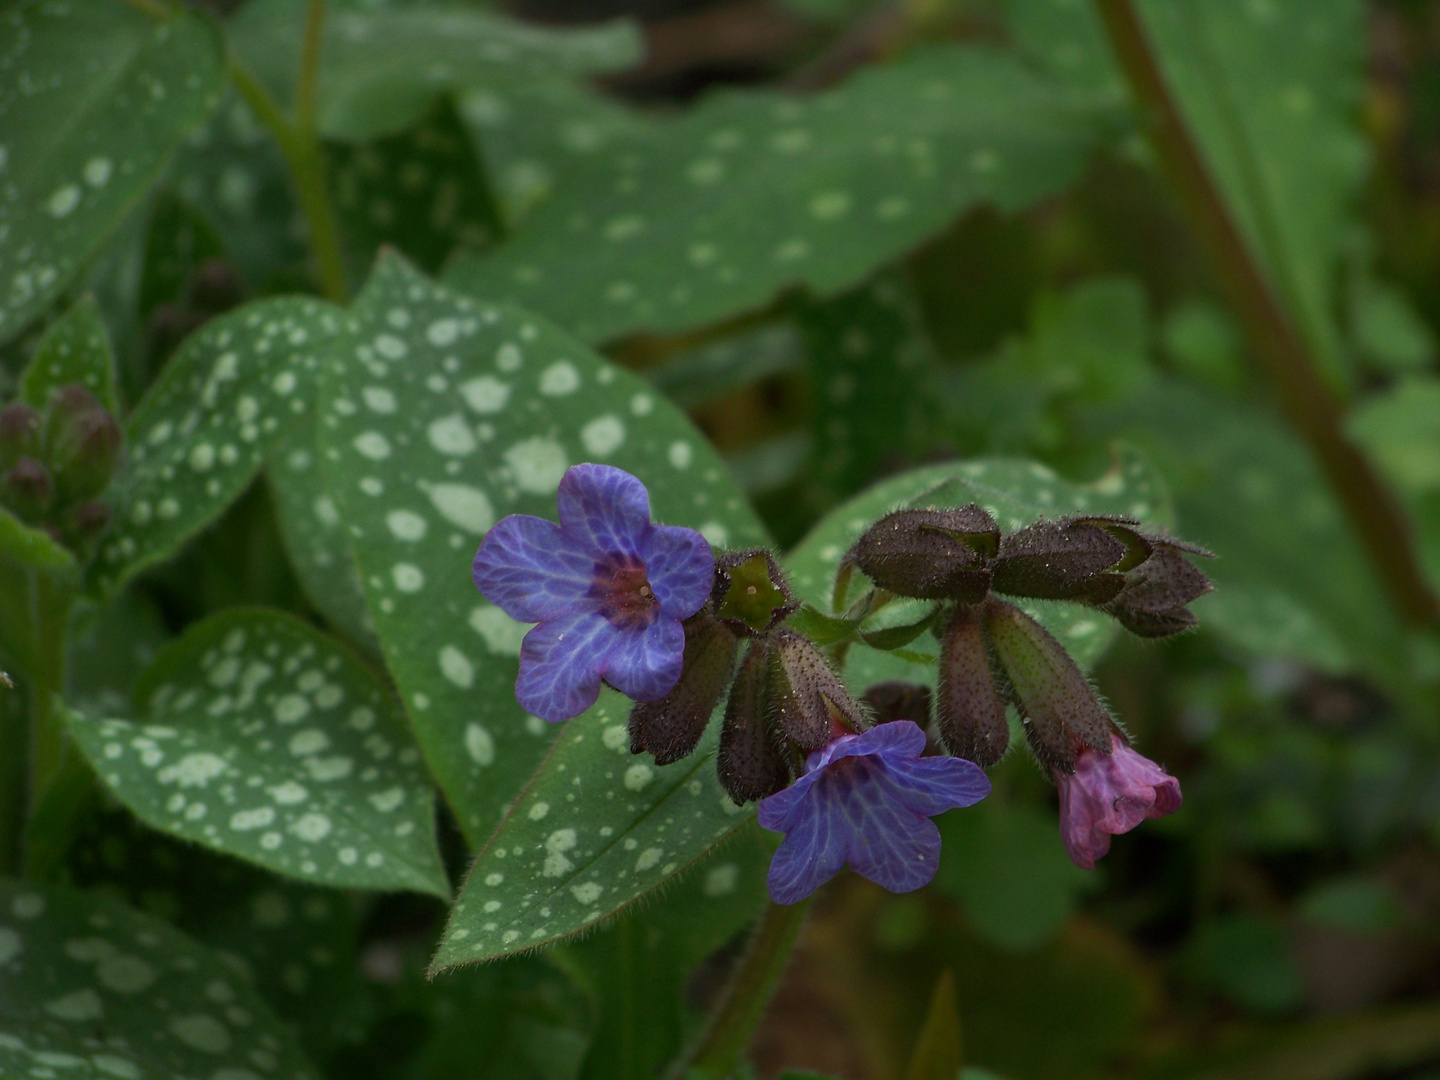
column 624, row 592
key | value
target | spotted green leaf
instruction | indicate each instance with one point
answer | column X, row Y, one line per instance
column 717, row 212
column 93, row 990
column 200, row 434
column 94, row 97
column 75, row 349
column 1016, row 493
column 442, row 414
column 31, row 547
column 595, row 830
column 1270, row 92
column 381, row 69
column 263, row 738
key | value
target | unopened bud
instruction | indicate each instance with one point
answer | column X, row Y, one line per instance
column 1060, row 708
column 807, row 699
column 752, row 762
column 28, row 489
column 751, row 593
column 1061, row 560
column 68, row 402
column 1152, row 604
column 88, row 520
column 216, row 287
column 671, row 727
column 83, row 452
column 20, row 429
column 970, row 709
column 930, row 554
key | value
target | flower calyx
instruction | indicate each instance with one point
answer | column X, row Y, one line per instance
column 931, row 554
column 670, row 727
column 751, row 595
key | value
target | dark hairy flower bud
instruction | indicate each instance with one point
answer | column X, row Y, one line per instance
column 671, row 727
column 83, row 452
column 88, row 519
column 28, row 489
column 752, row 762
column 19, row 433
column 1152, row 604
column 930, row 554
column 889, row 701
column 1061, row 710
column 807, row 699
column 751, row 593
column 970, row 709
column 1061, row 560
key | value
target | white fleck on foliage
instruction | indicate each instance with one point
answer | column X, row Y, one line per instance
column 228, row 397
column 492, row 405
column 95, row 98
column 262, row 738
column 92, row 967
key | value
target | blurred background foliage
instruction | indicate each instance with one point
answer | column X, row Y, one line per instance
column 1286, row 923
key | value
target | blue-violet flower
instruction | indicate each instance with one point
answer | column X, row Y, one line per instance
column 1109, row 794
column 607, row 589
column 866, row 800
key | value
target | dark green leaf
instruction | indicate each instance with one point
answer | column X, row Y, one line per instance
column 752, row 192
column 937, row 1050
column 31, row 547
column 443, row 414
column 260, row 737
column 75, row 349
column 199, row 436
column 93, row 98
column 102, row 992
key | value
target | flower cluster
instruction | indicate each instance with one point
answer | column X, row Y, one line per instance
column 55, row 462
column 650, row 610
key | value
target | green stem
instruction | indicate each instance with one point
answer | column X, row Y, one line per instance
column 47, row 682
column 1303, row 394
column 721, row 1048
column 305, row 159
column 309, row 68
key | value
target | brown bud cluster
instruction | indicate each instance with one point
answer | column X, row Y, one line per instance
column 55, row 463
column 960, row 555
column 784, row 699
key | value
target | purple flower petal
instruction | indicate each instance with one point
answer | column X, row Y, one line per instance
column 681, row 569
column 812, row 852
column 900, row 737
column 1109, row 794
column 888, row 844
column 604, row 509
column 560, row 665
column 645, row 664
column 530, row 569
column 929, row 786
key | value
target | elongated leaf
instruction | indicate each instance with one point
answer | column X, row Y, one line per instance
column 75, row 349
column 381, row 69
column 93, row 99
column 443, row 414
column 262, row 738
column 1270, row 93
column 32, row 547
column 197, row 439
column 595, row 830
column 93, row 990
column 752, row 192
column 1016, row 493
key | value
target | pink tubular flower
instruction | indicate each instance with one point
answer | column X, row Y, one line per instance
column 1109, row 794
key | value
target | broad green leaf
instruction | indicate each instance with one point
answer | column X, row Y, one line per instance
column 1067, row 39
column 1389, row 331
column 75, row 349
column 595, row 830
column 637, row 968
column 869, row 359
column 93, row 98
column 1270, row 93
column 197, row 439
column 1247, row 958
column 752, row 192
column 723, row 367
column 314, row 536
column 441, row 415
column 1016, row 493
column 262, row 738
column 422, row 190
column 99, row 991
column 1003, row 861
column 31, row 547
column 179, row 241
column 1401, row 428
column 381, row 69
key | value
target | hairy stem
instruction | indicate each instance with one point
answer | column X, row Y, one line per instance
column 305, row 159
column 1305, row 398
column 722, row 1047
